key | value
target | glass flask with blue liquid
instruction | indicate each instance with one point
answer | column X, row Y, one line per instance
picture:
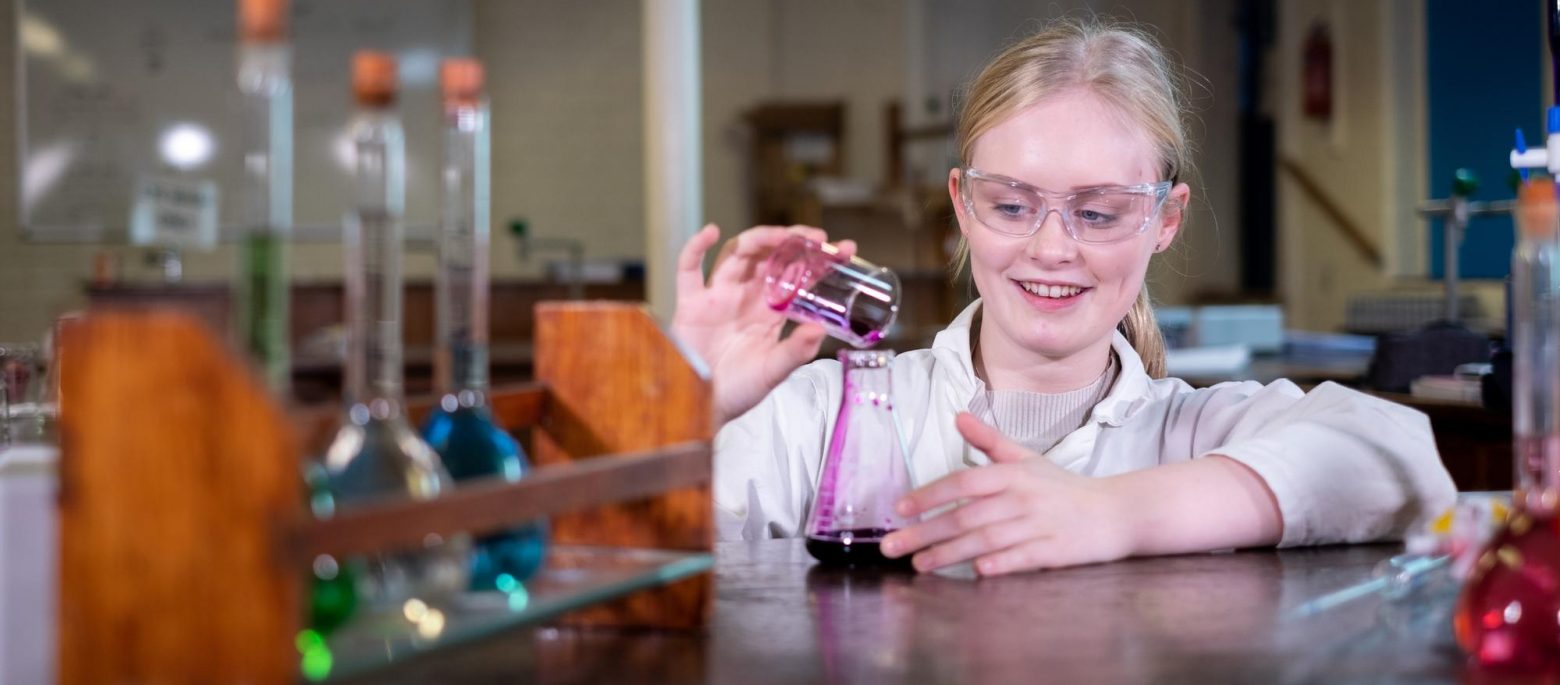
column 462, row 430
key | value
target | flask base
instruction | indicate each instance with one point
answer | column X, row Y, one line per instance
column 857, row 547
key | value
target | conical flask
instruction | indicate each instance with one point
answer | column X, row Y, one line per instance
column 864, row 472
column 1508, row 616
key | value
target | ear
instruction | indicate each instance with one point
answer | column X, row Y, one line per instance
column 1170, row 216
column 953, row 196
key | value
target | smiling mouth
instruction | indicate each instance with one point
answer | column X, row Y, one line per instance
column 1054, row 292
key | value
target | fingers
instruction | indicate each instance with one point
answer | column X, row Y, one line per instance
column 847, row 248
column 951, row 524
column 726, row 249
column 812, row 233
column 690, row 262
column 800, row 347
column 741, row 256
column 987, row 439
column 985, row 541
column 1024, row 556
column 952, row 488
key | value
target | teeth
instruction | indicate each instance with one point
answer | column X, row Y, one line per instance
column 1051, row 290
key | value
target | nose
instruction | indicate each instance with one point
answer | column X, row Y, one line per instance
column 1052, row 244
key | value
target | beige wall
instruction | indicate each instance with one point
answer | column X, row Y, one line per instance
column 574, row 166
column 738, row 71
column 35, row 281
column 1319, row 269
column 40, row 281
column 568, row 143
column 567, row 156
column 795, row 50
column 1206, row 258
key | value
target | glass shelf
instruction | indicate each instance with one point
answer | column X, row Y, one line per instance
column 573, row 577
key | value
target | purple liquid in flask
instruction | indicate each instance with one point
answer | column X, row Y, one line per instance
column 811, row 282
column 864, row 472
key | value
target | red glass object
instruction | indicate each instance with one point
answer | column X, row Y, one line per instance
column 1508, row 616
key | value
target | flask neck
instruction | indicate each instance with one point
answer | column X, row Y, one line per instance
column 867, row 381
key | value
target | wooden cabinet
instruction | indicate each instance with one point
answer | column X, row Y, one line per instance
column 792, row 143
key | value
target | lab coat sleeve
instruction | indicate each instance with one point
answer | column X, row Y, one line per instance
column 767, row 460
column 1342, row 465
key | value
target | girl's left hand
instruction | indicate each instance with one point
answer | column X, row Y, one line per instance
column 1021, row 512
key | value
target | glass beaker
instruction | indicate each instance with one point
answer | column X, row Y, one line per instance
column 864, row 472
column 24, row 409
column 853, row 299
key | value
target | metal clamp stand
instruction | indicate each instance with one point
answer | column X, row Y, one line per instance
column 1440, row 347
column 1454, row 213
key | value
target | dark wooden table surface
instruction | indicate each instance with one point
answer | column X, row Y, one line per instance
column 1228, row 617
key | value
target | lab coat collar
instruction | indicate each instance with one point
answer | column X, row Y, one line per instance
column 1130, row 392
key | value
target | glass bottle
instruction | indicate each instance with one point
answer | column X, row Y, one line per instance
column 265, row 199
column 461, row 428
column 864, row 472
column 1508, row 616
column 811, row 282
column 377, row 454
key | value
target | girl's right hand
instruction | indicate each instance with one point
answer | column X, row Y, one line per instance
column 728, row 323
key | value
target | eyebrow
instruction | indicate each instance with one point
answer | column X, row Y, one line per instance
column 1074, row 189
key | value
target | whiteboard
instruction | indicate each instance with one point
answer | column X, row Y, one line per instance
column 100, row 83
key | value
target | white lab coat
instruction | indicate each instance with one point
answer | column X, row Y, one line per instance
column 1343, row 466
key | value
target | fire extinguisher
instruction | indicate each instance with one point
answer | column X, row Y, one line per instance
column 1316, row 73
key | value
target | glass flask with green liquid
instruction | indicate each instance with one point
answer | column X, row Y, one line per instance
column 265, row 198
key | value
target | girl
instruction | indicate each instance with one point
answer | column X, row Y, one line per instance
column 1042, row 410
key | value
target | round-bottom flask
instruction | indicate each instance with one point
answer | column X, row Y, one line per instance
column 472, row 447
column 378, row 458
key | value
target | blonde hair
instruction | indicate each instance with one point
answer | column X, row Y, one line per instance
column 1123, row 66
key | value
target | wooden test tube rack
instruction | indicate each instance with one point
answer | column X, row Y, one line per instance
column 185, row 541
